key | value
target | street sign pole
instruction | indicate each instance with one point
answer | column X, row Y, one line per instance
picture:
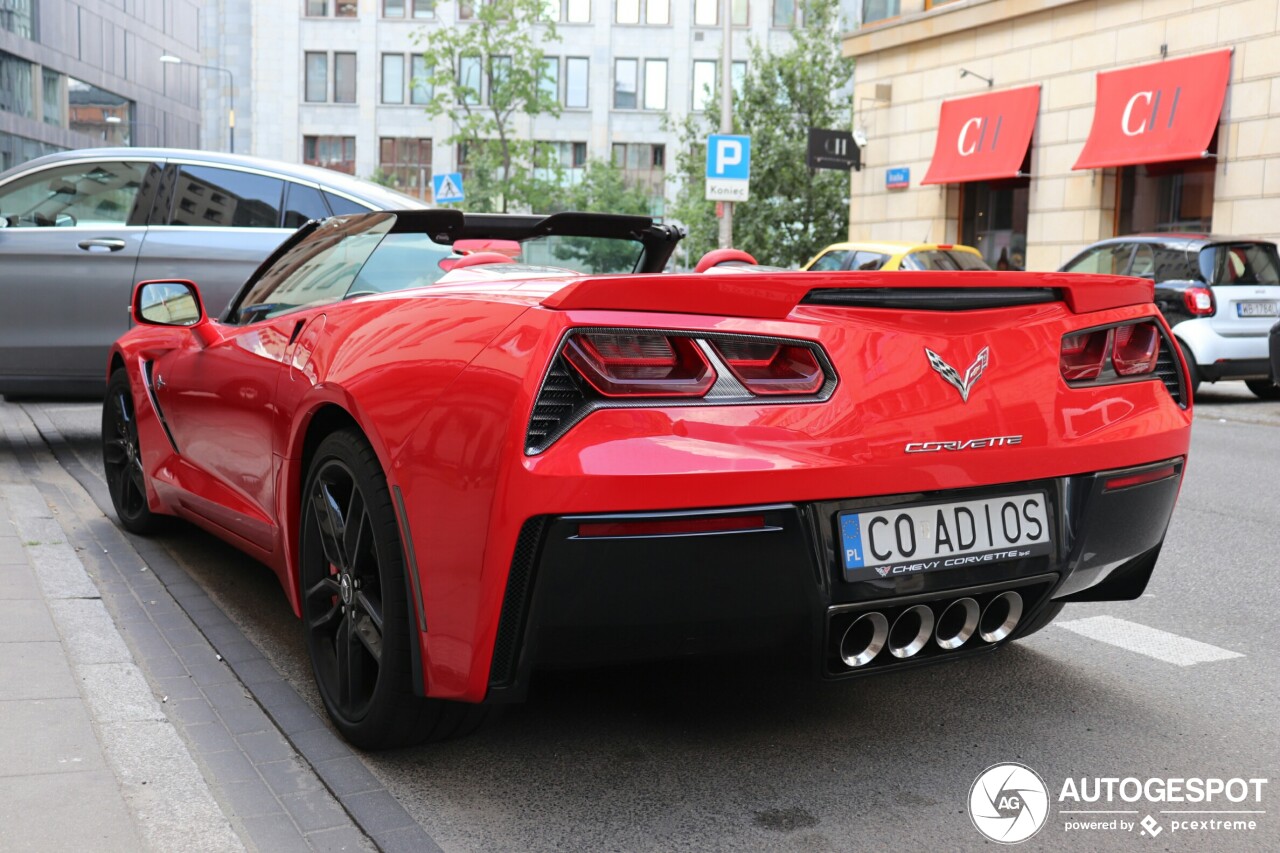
column 726, row 110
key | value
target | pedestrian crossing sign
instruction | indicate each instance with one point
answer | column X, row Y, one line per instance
column 447, row 188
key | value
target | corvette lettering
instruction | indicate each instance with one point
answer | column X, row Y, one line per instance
column 968, row 444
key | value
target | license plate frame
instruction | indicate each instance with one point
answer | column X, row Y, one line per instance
column 860, row 535
column 1263, row 308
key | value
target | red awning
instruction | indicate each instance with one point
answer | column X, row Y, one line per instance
column 1158, row 112
column 984, row 138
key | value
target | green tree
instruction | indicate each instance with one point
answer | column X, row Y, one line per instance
column 488, row 77
column 792, row 212
column 602, row 188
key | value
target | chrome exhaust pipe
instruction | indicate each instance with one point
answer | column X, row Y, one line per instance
column 956, row 624
column 863, row 639
column 911, row 631
column 1000, row 617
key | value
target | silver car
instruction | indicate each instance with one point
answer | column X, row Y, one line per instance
column 78, row 229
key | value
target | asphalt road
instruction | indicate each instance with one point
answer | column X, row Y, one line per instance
column 715, row 757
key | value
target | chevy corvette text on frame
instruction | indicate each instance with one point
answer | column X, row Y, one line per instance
column 462, row 477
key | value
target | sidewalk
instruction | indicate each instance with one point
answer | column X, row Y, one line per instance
column 121, row 727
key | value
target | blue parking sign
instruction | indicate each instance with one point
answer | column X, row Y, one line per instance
column 729, row 157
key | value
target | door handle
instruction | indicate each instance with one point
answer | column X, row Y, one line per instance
column 111, row 244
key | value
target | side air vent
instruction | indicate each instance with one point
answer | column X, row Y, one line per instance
column 1169, row 371
column 515, row 604
column 933, row 298
column 560, row 398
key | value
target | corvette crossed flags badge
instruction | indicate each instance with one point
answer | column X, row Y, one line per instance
column 952, row 376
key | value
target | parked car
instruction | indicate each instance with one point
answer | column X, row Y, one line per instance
column 897, row 255
column 78, row 229
column 1220, row 295
column 463, row 477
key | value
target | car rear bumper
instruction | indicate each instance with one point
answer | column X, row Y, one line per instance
column 575, row 600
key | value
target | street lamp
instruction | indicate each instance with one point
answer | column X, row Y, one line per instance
column 231, row 80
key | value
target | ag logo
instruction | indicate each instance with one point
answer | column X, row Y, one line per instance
column 1008, row 803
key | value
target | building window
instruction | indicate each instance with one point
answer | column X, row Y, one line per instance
column 625, row 83
column 17, row 86
column 1166, row 197
column 344, row 78
column 628, row 12
column 345, row 9
column 655, row 84
column 878, row 10
column 578, row 11
column 499, row 74
column 332, row 152
column 549, row 79
column 424, row 9
column 706, row 13
column 53, row 110
column 317, row 77
column 89, row 108
column 420, row 90
column 341, row 8
column 469, row 79
column 393, row 8
column 784, row 13
column 392, row 78
column 576, row 74
column 406, row 164
column 16, row 17
column 570, row 157
column 706, row 80
column 317, row 8
column 657, row 12
column 741, row 15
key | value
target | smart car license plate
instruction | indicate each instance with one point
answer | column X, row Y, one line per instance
column 1257, row 309
column 882, row 543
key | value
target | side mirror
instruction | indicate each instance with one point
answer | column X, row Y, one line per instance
column 167, row 303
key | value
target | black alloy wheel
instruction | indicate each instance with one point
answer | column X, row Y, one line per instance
column 355, row 607
column 1193, row 370
column 122, row 457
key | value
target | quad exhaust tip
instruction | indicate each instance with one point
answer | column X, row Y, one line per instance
column 911, row 631
column 1000, row 617
column 863, row 639
column 956, row 624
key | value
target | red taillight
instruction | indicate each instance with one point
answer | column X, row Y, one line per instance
column 770, row 369
column 1136, row 348
column 645, row 364
column 1199, row 301
column 671, row 527
column 1084, row 354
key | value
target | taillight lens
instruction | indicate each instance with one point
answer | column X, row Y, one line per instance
column 1199, row 301
column 1136, row 349
column 1084, row 354
column 768, row 368
column 640, row 365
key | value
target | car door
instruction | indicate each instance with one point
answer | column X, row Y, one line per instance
column 214, row 224
column 221, row 402
column 71, row 236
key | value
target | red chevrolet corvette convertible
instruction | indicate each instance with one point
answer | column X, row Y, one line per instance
column 466, row 465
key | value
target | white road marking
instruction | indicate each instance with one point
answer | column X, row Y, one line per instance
column 1151, row 642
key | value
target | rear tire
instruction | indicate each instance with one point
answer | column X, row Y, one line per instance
column 122, row 458
column 1193, row 369
column 1263, row 389
column 354, row 607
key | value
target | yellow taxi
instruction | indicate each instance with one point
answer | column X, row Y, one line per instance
column 897, row 255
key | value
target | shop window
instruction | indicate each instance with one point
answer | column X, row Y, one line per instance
column 1166, row 197
column 332, row 152
column 406, row 164
column 993, row 220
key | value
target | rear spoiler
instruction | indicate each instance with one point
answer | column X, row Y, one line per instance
column 773, row 296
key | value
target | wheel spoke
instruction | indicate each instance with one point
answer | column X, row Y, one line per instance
column 353, row 530
column 369, row 636
column 342, row 656
column 351, row 664
column 371, row 607
column 137, row 480
column 329, row 519
column 113, row 451
column 315, row 600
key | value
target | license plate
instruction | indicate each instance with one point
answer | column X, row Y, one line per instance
column 1257, row 309
column 882, row 543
